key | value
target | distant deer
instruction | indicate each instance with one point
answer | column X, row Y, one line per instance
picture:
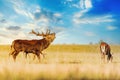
column 32, row 46
column 105, row 50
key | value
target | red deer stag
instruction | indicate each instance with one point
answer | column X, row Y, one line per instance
column 105, row 50
column 32, row 46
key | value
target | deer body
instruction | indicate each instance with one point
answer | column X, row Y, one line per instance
column 105, row 50
column 31, row 46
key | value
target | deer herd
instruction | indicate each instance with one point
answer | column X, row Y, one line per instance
column 37, row 46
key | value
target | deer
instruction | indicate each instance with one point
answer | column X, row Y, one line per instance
column 105, row 50
column 32, row 46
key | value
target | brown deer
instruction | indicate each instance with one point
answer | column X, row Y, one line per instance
column 105, row 50
column 32, row 46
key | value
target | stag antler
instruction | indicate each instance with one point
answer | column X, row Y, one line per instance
column 37, row 34
column 48, row 31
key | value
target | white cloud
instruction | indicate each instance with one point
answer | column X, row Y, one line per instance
column 111, row 28
column 19, row 8
column 82, row 4
column 22, row 9
column 57, row 15
column 88, row 4
column 38, row 9
column 85, row 4
column 80, row 14
column 8, row 38
column 29, row 26
column 42, row 21
column 76, row 5
column 80, row 18
column 91, row 20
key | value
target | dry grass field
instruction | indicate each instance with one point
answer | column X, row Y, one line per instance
column 61, row 62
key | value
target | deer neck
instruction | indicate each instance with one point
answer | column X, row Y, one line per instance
column 46, row 43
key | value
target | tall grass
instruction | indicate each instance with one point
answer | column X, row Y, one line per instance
column 18, row 71
column 71, row 48
column 61, row 62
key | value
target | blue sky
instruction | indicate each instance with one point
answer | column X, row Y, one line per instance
column 73, row 21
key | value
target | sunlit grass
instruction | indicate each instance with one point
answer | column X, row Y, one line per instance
column 60, row 62
column 59, row 71
column 71, row 48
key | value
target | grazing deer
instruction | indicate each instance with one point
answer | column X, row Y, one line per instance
column 105, row 50
column 32, row 46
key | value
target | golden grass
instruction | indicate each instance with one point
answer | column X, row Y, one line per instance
column 61, row 62
column 18, row 71
column 71, row 48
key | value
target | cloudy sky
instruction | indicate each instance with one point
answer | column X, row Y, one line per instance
column 73, row 21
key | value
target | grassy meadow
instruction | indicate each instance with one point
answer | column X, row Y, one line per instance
column 69, row 62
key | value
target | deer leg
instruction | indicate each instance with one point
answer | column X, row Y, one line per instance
column 26, row 55
column 38, row 56
column 103, row 57
column 11, row 53
column 109, row 58
column 34, row 57
column 14, row 55
column 42, row 54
